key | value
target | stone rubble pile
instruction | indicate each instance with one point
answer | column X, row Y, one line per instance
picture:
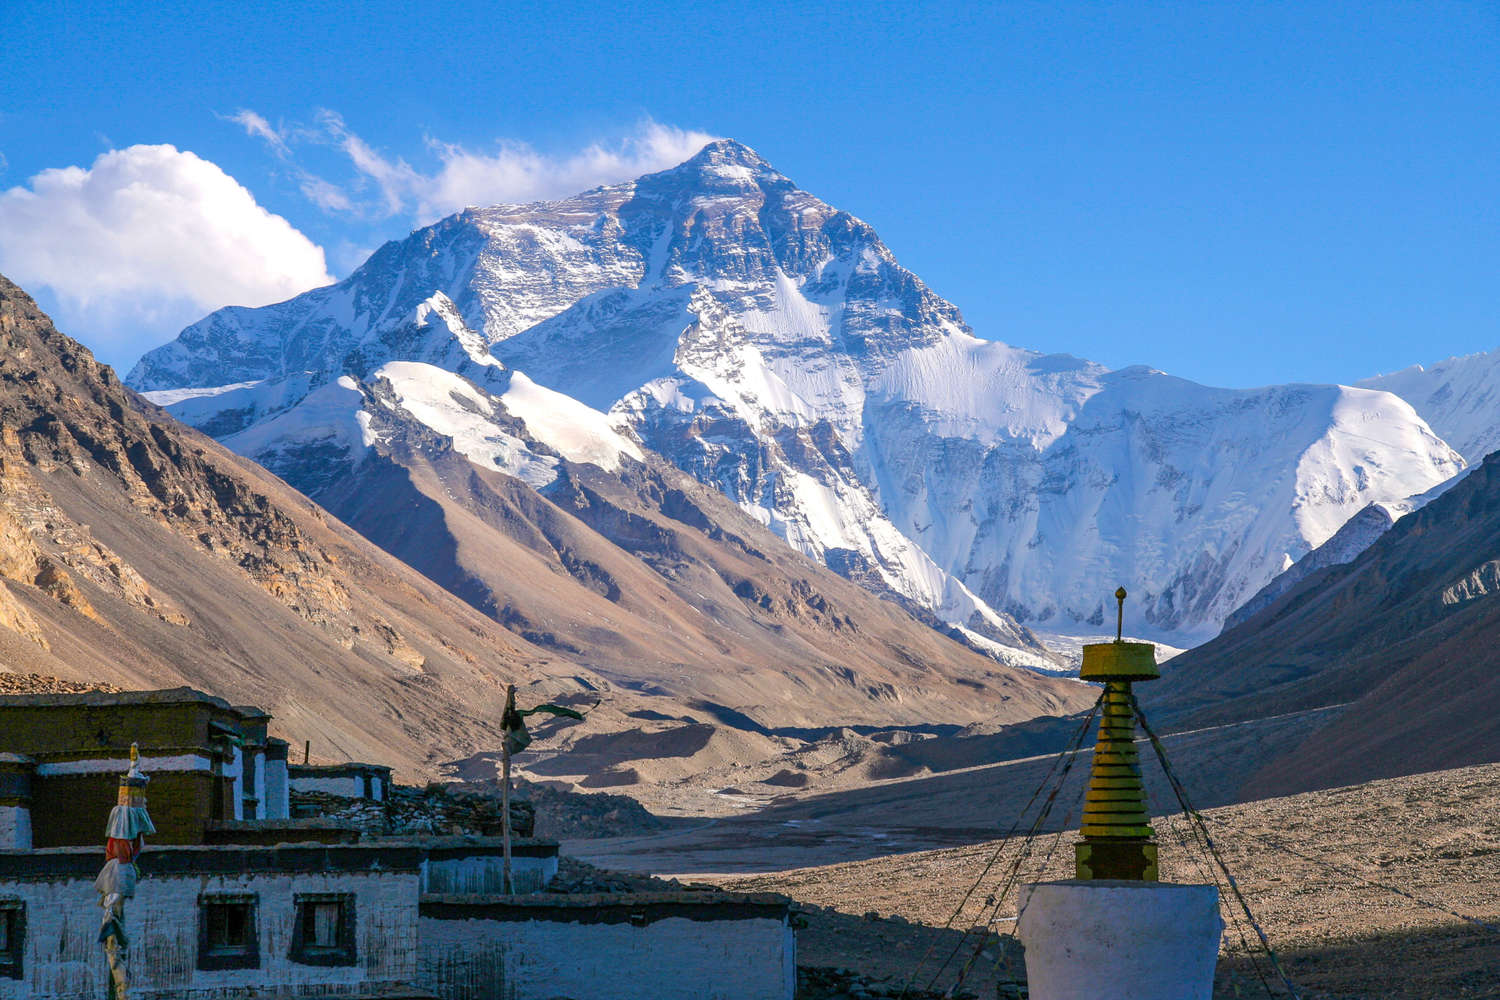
column 457, row 809
column 435, row 810
column 42, row 684
column 564, row 815
column 369, row 818
column 574, row 876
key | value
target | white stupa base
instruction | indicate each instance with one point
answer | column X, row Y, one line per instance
column 1121, row 940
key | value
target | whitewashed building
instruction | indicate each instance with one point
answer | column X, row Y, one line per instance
column 237, row 899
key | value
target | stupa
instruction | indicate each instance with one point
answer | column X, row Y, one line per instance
column 1116, row 930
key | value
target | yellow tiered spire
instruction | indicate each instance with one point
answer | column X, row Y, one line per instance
column 1117, row 836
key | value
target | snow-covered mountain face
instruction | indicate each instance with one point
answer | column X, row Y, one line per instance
column 1459, row 398
column 1343, row 546
column 771, row 346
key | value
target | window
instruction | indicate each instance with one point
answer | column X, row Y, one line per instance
column 12, row 937
column 227, row 936
column 324, row 930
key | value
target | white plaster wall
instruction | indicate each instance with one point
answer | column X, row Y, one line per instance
column 671, row 959
column 120, row 765
column 259, row 771
column 64, row 960
column 485, row 875
column 349, row 788
column 1124, row 940
column 15, row 828
column 276, row 798
column 234, row 769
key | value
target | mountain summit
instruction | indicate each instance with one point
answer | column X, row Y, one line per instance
column 771, row 346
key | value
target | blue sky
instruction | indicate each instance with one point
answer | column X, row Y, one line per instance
column 1236, row 193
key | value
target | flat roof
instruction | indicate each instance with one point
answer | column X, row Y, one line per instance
column 164, row 696
column 384, row 854
column 635, row 908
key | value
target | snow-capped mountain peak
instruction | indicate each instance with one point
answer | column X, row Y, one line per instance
column 1459, row 397
column 772, row 346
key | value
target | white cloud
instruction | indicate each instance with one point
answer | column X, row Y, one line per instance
column 324, row 193
column 146, row 240
column 515, row 172
column 257, row 126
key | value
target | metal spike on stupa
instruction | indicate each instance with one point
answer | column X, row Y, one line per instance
column 1115, row 930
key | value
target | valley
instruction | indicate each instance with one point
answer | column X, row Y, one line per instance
column 706, row 502
column 1339, row 930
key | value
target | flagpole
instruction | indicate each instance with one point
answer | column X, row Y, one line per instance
column 515, row 738
column 510, row 696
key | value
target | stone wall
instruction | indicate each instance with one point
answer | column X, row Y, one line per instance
column 72, row 809
column 369, row 818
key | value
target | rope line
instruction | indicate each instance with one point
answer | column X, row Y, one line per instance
column 1235, row 920
column 1207, row 874
column 1067, row 824
column 999, row 901
column 1067, row 759
column 1182, row 798
column 1004, row 842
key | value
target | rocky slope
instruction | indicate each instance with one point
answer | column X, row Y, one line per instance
column 772, row 346
column 136, row 551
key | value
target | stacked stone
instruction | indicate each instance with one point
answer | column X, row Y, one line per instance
column 43, row 684
column 442, row 810
column 368, row 817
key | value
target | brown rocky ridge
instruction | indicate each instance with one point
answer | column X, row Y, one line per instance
column 137, row 552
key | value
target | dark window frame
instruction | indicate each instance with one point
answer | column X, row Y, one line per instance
column 211, row 959
column 343, row 953
column 13, row 958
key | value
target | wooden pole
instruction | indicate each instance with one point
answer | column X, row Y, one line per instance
column 505, row 795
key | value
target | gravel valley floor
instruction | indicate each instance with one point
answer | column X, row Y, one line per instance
column 1339, row 928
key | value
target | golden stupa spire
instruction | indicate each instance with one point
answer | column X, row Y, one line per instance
column 1117, row 836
